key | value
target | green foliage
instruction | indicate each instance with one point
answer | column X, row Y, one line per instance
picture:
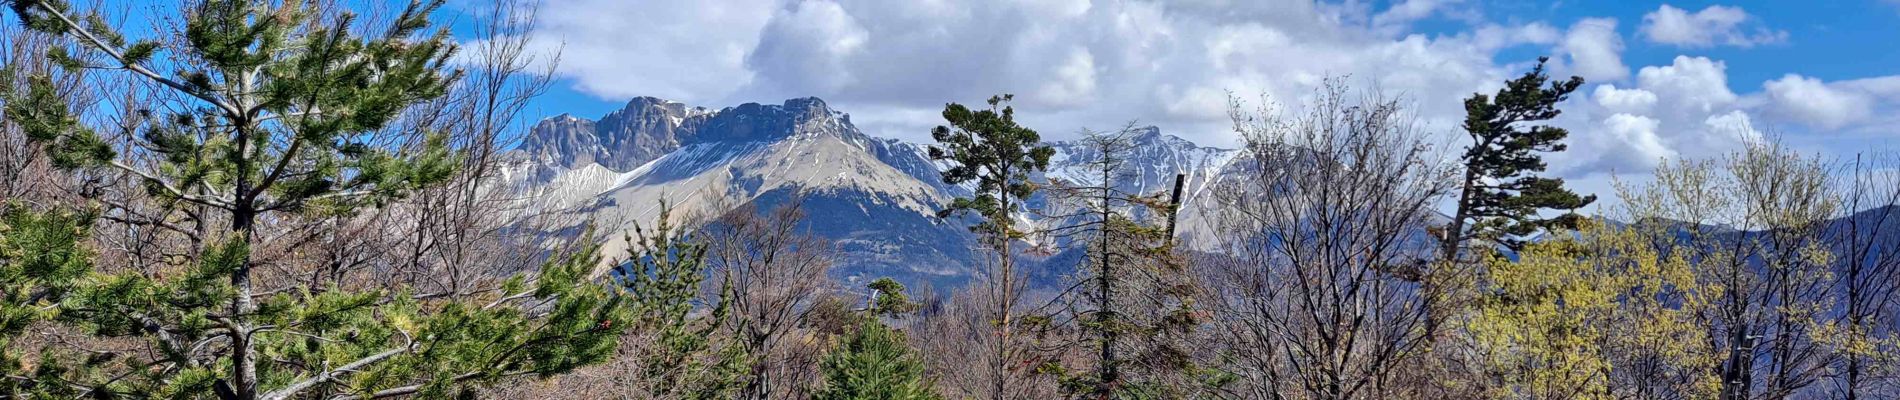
column 42, row 114
column 991, row 149
column 873, row 362
column 283, row 105
column 891, row 300
column 662, row 280
column 390, row 340
column 1503, row 193
column 290, row 99
column 40, row 261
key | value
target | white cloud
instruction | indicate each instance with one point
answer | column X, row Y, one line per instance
column 1812, row 102
column 1400, row 15
column 1493, row 37
column 1714, row 25
column 1079, row 63
column 1623, row 100
column 1681, row 110
column 1074, row 82
column 1731, row 126
column 1595, row 50
column 1072, row 63
column 679, row 49
column 804, row 48
column 1690, row 84
column 1637, row 136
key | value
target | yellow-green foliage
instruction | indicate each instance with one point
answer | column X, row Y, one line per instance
column 1580, row 318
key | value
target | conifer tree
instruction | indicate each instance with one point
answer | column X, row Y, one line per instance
column 662, row 277
column 1134, row 292
column 1502, row 192
column 875, row 361
column 41, row 260
column 989, row 148
column 270, row 111
column 890, row 299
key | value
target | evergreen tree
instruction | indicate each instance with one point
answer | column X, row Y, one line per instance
column 988, row 147
column 1134, row 293
column 890, row 299
column 662, row 278
column 283, row 110
column 875, row 361
column 1502, row 193
column 41, row 260
column 370, row 344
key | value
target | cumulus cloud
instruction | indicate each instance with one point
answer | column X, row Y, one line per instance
column 1624, row 100
column 1693, row 85
column 1681, row 110
column 1595, row 50
column 670, row 48
column 809, row 42
column 1637, row 134
column 1071, row 63
column 1713, row 26
column 1400, row 15
column 1810, row 101
column 1856, row 106
column 1080, row 63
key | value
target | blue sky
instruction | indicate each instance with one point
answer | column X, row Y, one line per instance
column 1667, row 80
column 1831, row 40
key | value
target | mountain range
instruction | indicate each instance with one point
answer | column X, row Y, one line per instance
column 877, row 198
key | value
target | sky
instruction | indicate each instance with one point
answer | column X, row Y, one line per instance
column 1665, row 80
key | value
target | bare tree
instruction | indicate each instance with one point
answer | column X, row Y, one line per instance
column 777, row 271
column 1868, row 270
column 1333, row 209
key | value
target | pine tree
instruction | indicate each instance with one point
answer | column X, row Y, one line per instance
column 41, row 260
column 662, row 278
column 1134, row 292
column 875, row 361
column 890, row 299
column 989, row 148
column 1502, row 193
column 284, row 111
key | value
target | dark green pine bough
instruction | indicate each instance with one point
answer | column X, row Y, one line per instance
column 988, row 147
column 874, row 361
column 281, row 95
column 1502, row 195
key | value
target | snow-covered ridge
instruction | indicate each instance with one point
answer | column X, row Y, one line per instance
column 877, row 197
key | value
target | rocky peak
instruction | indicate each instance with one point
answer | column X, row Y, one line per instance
column 648, row 127
column 564, row 140
column 808, row 106
column 754, row 122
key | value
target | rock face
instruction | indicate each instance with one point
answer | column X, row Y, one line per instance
column 875, row 197
column 648, row 128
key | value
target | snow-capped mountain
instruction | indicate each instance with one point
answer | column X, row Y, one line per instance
column 876, row 197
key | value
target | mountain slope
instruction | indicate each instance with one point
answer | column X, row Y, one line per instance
column 875, row 197
column 868, row 194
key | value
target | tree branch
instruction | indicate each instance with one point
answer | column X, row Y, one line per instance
column 173, row 190
column 330, row 375
column 130, row 66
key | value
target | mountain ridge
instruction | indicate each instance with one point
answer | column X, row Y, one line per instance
column 876, row 197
